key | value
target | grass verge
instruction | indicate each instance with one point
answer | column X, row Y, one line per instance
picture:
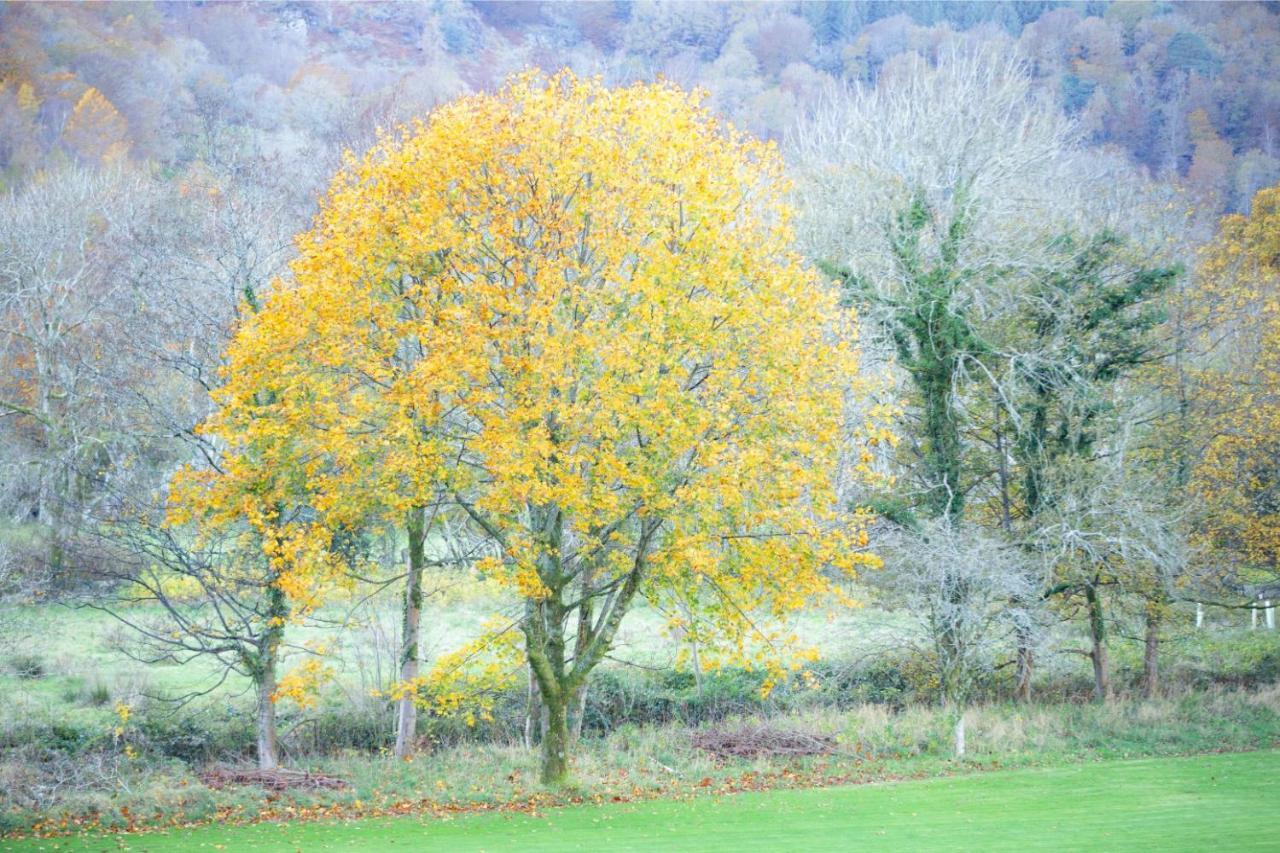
column 1227, row 802
column 633, row 764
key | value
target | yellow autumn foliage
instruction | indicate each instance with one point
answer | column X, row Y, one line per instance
column 96, row 130
column 1237, row 478
column 573, row 312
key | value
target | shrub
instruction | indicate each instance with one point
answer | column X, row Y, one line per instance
column 27, row 666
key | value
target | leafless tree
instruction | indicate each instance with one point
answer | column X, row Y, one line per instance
column 62, row 242
column 967, row 593
column 1105, row 534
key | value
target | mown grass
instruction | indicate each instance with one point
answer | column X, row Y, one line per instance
column 1223, row 802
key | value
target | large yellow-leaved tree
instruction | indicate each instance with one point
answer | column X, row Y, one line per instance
column 571, row 316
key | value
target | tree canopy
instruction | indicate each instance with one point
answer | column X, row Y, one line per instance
column 575, row 312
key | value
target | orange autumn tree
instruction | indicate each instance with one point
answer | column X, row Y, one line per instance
column 1238, row 476
column 572, row 316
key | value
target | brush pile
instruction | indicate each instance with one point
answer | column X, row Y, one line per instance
column 761, row 741
column 271, row 780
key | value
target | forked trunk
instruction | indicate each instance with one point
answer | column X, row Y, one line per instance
column 407, row 710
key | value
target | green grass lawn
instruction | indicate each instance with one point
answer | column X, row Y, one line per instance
column 1219, row 802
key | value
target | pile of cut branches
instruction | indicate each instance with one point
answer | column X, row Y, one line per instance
column 271, row 780
column 757, row 741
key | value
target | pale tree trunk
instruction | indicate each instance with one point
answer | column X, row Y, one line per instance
column 1199, row 615
column 695, row 653
column 576, row 700
column 1026, row 665
column 1098, row 636
column 268, row 746
column 407, row 710
column 958, row 733
column 1151, row 653
column 1253, row 618
column 263, row 671
column 1271, row 615
column 695, row 661
column 576, row 710
column 533, row 713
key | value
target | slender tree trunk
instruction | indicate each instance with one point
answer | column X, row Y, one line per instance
column 1098, row 634
column 1026, row 665
column 263, row 669
column 407, row 711
column 532, row 713
column 268, row 746
column 1151, row 653
column 695, row 661
column 1026, row 669
column 958, row 733
column 576, row 711
column 1271, row 615
column 577, row 697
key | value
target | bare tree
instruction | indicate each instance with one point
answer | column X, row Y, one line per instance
column 968, row 595
column 211, row 599
column 1104, row 535
column 62, row 242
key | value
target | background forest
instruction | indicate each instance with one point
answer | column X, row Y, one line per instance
column 1058, row 225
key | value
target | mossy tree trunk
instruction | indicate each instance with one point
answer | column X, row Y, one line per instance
column 562, row 678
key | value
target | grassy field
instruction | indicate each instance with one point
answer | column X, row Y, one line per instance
column 1227, row 802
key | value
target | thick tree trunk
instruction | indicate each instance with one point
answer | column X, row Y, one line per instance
column 1098, row 635
column 1151, row 654
column 555, row 741
column 407, row 711
column 268, row 746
